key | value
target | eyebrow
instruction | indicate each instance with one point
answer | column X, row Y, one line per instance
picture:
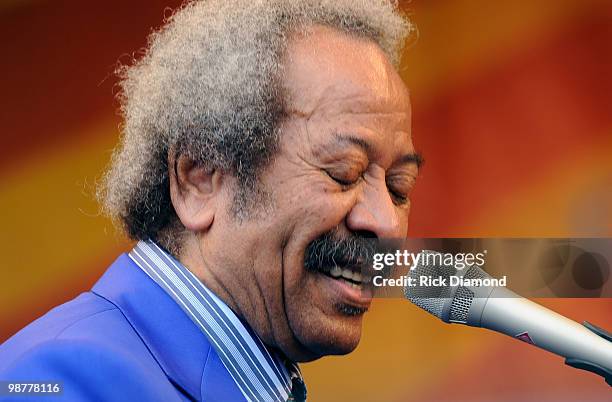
column 412, row 157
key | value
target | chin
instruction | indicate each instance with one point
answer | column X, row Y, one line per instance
column 329, row 335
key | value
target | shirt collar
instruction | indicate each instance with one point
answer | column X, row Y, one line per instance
column 258, row 371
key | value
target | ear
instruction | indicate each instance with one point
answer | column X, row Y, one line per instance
column 194, row 191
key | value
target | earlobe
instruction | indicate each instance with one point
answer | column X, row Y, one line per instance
column 194, row 191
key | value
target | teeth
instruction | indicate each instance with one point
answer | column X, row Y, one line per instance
column 336, row 272
column 347, row 273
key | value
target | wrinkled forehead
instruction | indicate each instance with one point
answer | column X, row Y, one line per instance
column 326, row 67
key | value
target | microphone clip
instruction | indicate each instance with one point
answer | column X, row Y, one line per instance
column 592, row 367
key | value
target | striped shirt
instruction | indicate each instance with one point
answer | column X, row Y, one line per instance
column 259, row 373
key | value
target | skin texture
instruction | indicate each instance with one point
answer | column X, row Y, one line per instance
column 345, row 162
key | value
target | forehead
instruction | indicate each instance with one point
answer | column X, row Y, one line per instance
column 330, row 71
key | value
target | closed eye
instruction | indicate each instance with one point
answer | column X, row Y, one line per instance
column 344, row 180
column 400, row 188
column 399, row 199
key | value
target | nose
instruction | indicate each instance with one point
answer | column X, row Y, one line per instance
column 375, row 212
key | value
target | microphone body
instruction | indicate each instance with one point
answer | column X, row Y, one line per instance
column 508, row 313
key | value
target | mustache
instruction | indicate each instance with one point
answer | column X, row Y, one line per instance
column 333, row 249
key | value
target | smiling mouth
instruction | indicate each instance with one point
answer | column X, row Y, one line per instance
column 351, row 277
column 349, row 289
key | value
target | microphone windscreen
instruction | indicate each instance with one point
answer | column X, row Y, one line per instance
column 430, row 298
column 448, row 303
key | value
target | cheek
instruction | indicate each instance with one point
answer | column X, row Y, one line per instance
column 311, row 313
column 317, row 209
column 328, row 200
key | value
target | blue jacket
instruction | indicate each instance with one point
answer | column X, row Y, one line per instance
column 125, row 340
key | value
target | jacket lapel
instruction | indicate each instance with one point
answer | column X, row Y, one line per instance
column 181, row 349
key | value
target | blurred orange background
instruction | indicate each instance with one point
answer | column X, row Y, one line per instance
column 512, row 104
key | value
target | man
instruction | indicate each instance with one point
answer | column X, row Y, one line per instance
column 264, row 143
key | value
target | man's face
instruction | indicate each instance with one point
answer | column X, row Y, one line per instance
column 344, row 170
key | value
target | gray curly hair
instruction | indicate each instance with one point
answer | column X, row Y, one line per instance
column 209, row 87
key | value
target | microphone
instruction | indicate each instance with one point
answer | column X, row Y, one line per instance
column 497, row 308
